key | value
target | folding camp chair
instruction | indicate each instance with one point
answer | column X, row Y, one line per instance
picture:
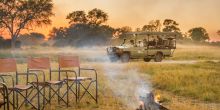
column 5, row 101
column 40, row 65
column 73, row 62
column 7, row 68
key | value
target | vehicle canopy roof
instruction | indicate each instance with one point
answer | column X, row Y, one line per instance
column 162, row 34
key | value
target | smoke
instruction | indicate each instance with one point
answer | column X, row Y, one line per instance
column 126, row 84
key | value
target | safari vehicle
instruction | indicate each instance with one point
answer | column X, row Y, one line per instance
column 144, row 45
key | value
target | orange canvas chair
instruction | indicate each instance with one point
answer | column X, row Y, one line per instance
column 7, row 69
column 40, row 66
column 66, row 62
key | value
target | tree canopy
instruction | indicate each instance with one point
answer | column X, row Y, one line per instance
column 18, row 15
column 77, row 17
column 198, row 34
column 152, row 26
column 86, row 29
column 170, row 26
column 93, row 17
column 97, row 16
column 33, row 38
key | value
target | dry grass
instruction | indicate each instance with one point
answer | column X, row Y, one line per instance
column 182, row 85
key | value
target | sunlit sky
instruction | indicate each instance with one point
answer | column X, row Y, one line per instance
column 136, row 13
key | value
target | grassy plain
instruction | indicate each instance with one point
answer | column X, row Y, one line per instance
column 188, row 81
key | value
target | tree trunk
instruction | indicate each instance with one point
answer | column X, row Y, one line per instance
column 13, row 42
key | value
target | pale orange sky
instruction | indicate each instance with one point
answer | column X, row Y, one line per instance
column 136, row 13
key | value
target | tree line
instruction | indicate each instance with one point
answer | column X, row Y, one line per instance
column 85, row 29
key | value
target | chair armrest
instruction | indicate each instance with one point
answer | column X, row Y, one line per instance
column 3, row 84
column 8, row 75
column 90, row 69
column 54, row 70
column 27, row 74
column 41, row 71
column 5, row 89
column 65, row 71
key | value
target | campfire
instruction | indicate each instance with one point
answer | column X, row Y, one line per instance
column 150, row 102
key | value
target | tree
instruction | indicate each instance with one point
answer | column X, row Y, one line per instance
column 18, row 15
column 152, row 26
column 138, row 29
column 33, row 38
column 58, row 33
column 94, row 17
column 198, row 34
column 86, row 29
column 1, row 38
column 170, row 26
column 148, row 28
column 97, row 16
column 218, row 32
column 118, row 32
column 38, row 36
column 77, row 17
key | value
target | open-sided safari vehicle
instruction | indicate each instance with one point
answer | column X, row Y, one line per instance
column 144, row 45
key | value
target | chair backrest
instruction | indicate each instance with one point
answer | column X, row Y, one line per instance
column 68, row 61
column 8, row 65
column 38, row 63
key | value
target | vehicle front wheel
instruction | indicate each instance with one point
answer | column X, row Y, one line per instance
column 125, row 57
column 147, row 59
column 158, row 57
column 113, row 58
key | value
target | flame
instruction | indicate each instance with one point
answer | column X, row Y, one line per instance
column 157, row 98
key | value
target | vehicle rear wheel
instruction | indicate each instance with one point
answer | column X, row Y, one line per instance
column 125, row 57
column 158, row 57
column 147, row 59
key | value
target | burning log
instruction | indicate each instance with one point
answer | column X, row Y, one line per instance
column 148, row 103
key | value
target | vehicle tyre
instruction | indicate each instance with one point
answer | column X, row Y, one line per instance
column 125, row 57
column 158, row 57
column 147, row 59
column 113, row 58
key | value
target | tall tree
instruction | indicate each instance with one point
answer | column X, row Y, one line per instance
column 77, row 17
column 170, row 26
column 198, row 34
column 97, row 16
column 18, row 15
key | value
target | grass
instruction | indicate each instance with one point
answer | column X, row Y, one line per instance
column 198, row 81
column 196, row 52
column 182, row 85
